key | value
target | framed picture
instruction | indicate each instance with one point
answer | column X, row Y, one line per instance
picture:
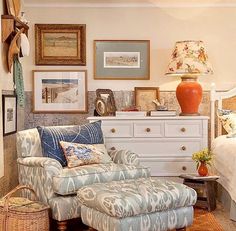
column 60, row 44
column 144, row 97
column 122, row 59
column 60, row 91
column 105, row 102
column 9, row 114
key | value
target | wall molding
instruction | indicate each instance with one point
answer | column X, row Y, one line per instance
column 131, row 5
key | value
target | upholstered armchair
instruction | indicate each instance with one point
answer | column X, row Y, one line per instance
column 57, row 186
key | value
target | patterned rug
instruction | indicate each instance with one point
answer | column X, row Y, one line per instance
column 204, row 221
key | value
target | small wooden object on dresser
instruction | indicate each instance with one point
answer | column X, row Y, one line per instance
column 205, row 188
column 22, row 214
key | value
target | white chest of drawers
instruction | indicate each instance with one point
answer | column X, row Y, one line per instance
column 165, row 144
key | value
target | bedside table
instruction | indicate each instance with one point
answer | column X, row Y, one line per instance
column 164, row 144
column 205, row 188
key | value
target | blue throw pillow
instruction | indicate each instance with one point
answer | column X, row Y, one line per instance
column 90, row 133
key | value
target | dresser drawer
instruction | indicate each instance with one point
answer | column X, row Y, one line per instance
column 149, row 129
column 169, row 168
column 157, row 147
column 117, row 129
column 183, row 128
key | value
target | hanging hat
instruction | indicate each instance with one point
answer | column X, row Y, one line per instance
column 17, row 7
column 24, row 45
column 13, row 49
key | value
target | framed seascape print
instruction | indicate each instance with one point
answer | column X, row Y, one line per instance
column 60, row 91
column 122, row 59
column 144, row 97
column 9, row 114
column 60, row 44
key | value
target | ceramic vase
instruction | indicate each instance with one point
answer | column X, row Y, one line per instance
column 189, row 95
column 202, row 170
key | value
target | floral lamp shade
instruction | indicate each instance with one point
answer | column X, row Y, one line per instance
column 189, row 58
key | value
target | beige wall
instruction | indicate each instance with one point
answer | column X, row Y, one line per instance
column 8, row 167
column 215, row 26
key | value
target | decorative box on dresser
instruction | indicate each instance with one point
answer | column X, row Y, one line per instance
column 165, row 144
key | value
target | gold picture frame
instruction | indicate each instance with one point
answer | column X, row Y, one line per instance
column 60, row 44
column 144, row 97
column 60, row 91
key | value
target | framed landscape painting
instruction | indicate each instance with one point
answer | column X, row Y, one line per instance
column 60, row 44
column 122, row 59
column 9, row 107
column 60, row 91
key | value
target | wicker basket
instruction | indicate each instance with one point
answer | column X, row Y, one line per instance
column 21, row 214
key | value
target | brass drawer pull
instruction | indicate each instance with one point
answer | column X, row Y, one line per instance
column 183, row 148
column 183, row 129
column 113, row 130
column 148, row 129
column 184, row 168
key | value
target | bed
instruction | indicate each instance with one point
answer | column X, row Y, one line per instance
column 224, row 150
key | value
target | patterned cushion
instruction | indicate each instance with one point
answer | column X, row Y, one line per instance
column 124, row 157
column 83, row 154
column 228, row 121
column 134, row 197
column 85, row 134
column 71, row 179
column 159, row 221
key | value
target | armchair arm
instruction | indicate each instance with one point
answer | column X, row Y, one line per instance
column 124, row 157
column 45, row 162
column 38, row 172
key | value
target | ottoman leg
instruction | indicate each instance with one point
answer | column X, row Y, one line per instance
column 181, row 229
column 61, row 225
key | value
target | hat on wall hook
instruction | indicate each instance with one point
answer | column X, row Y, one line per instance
column 14, row 49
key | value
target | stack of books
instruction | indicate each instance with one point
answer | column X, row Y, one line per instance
column 131, row 113
column 163, row 113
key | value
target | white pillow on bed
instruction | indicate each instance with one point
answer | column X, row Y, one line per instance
column 228, row 121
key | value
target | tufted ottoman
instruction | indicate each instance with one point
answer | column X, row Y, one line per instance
column 144, row 204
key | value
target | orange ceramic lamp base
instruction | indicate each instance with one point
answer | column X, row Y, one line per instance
column 189, row 95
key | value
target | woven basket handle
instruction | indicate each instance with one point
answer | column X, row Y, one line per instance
column 8, row 196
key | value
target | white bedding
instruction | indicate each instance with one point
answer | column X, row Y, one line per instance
column 224, row 163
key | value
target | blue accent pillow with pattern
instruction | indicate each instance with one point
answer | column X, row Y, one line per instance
column 90, row 133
